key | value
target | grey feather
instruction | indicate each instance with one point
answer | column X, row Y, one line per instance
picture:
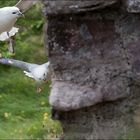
column 17, row 63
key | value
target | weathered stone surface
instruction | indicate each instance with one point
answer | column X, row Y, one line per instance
column 98, row 53
column 89, row 61
column 75, row 6
column 133, row 6
column 110, row 120
column 68, row 99
column 96, row 73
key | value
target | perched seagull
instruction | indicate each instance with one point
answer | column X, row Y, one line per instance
column 40, row 73
column 9, row 16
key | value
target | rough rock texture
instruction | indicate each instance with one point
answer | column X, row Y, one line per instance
column 75, row 6
column 90, row 61
column 133, row 6
column 95, row 58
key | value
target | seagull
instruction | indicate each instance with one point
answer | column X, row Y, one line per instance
column 9, row 16
column 40, row 73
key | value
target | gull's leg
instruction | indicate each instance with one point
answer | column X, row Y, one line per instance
column 10, row 46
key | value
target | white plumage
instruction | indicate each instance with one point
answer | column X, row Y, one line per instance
column 40, row 73
column 8, row 17
column 28, row 74
column 4, row 36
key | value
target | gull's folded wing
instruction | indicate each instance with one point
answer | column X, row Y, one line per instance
column 24, row 5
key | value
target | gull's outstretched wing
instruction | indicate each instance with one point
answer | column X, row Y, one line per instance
column 16, row 63
column 24, row 5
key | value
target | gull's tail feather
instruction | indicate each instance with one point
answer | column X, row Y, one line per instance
column 28, row 74
column 4, row 36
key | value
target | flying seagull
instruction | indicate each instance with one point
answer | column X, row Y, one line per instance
column 9, row 16
column 40, row 73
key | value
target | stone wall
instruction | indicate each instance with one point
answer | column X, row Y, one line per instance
column 94, row 51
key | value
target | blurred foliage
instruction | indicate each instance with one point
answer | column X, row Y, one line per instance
column 24, row 113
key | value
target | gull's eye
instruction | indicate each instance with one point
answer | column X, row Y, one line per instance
column 14, row 12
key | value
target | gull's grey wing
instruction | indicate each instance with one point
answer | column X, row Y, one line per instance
column 47, row 64
column 24, row 5
column 16, row 63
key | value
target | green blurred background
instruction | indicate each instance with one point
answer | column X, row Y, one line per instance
column 23, row 112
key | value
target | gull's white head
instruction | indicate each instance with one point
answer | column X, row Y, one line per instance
column 13, row 12
column 40, row 73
